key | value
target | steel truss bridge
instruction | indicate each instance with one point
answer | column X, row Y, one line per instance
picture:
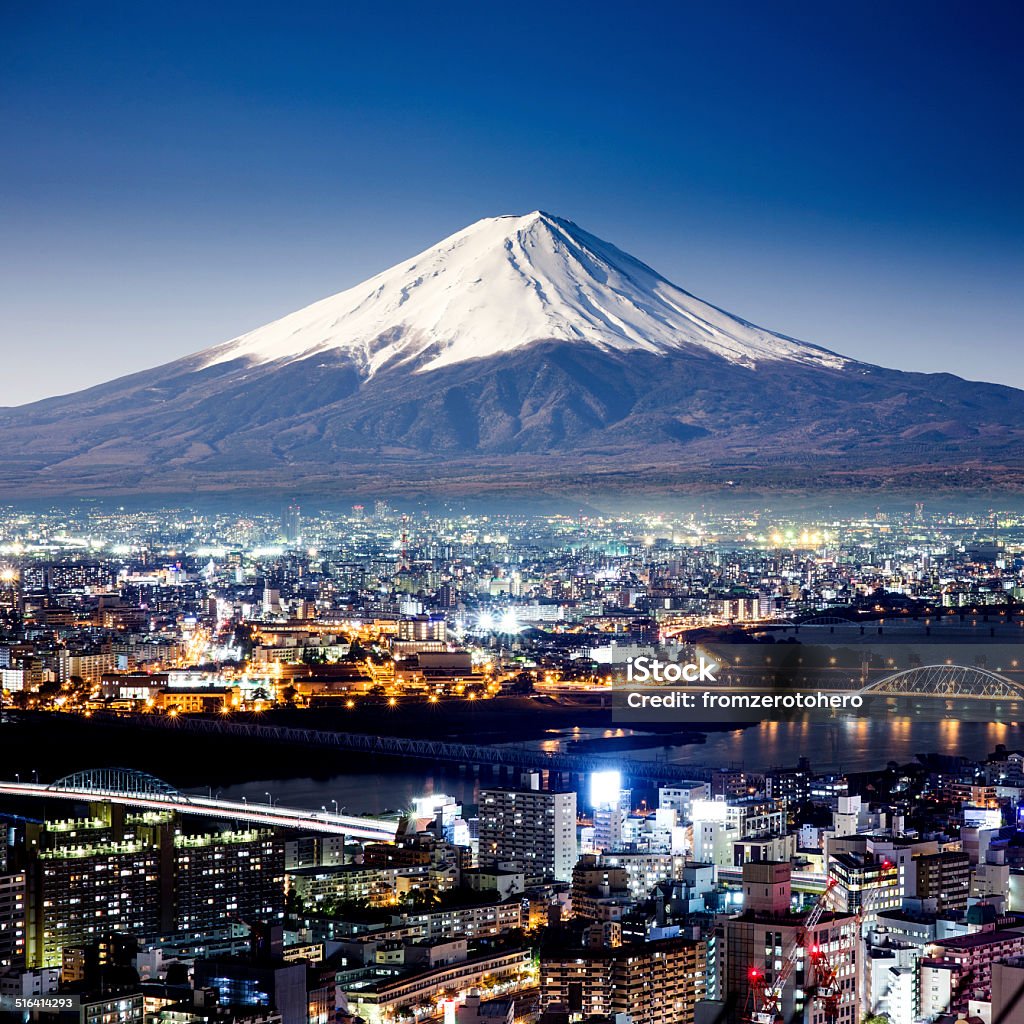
column 137, row 789
column 511, row 757
column 948, row 682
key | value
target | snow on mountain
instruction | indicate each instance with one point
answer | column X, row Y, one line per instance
column 504, row 283
column 558, row 364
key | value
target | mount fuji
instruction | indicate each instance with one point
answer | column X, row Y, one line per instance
column 521, row 354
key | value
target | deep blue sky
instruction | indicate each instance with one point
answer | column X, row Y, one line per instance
column 171, row 176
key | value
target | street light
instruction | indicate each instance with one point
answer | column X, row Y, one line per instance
column 335, row 802
column 270, row 799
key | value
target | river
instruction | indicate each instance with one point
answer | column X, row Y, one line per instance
column 855, row 745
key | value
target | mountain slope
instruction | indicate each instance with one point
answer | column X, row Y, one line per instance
column 501, row 284
column 519, row 353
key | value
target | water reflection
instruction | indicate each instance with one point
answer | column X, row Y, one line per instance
column 851, row 745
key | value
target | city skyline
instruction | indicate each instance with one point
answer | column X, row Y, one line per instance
column 511, row 514
column 371, row 766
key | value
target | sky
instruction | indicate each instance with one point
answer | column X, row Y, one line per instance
column 172, row 175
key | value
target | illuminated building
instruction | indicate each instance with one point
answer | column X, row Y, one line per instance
column 93, row 876
column 533, row 829
column 377, row 995
column 423, row 628
column 594, row 884
column 955, row 971
column 12, row 919
column 227, row 876
column 484, row 920
column 759, row 941
column 300, row 995
column 123, row 1008
column 644, row 870
column 865, row 885
column 656, row 982
column 135, row 874
column 944, row 877
column 291, row 524
column 680, row 798
column 332, row 884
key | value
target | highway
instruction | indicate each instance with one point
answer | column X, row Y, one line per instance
column 324, row 822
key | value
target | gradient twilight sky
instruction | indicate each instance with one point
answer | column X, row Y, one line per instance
column 172, row 175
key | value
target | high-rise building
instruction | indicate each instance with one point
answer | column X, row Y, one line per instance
column 792, row 786
column 594, row 883
column 94, row 876
column 291, row 524
column 228, row 876
column 13, row 925
column 533, row 829
column 865, row 885
column 681, row 796
column 763, row 937
column 944, row 877
column 136, row 874
column 956, row 971
column 653, row 982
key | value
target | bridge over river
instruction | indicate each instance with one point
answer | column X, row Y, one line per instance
column 146, row 792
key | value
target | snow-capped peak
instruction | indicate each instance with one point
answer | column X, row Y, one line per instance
column 503, row 283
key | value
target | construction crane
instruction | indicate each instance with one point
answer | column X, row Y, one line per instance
column 765, row 998
column 826, row 988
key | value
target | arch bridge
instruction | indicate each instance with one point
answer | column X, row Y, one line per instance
column 121, row 782
column 948, row 682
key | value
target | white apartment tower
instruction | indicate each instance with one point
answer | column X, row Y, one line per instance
column 534, row 829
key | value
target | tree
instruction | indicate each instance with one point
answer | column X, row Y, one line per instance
column 356, row 651
column 243, row 639
column 521, row 684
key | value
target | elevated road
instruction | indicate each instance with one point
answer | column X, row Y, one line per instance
column 157, row 796
column 803, row 881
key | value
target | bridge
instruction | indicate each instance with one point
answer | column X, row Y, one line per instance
column 947, row 682
column 826, row 620
column 507, row 756
column 802, row 881
column 137, row 789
